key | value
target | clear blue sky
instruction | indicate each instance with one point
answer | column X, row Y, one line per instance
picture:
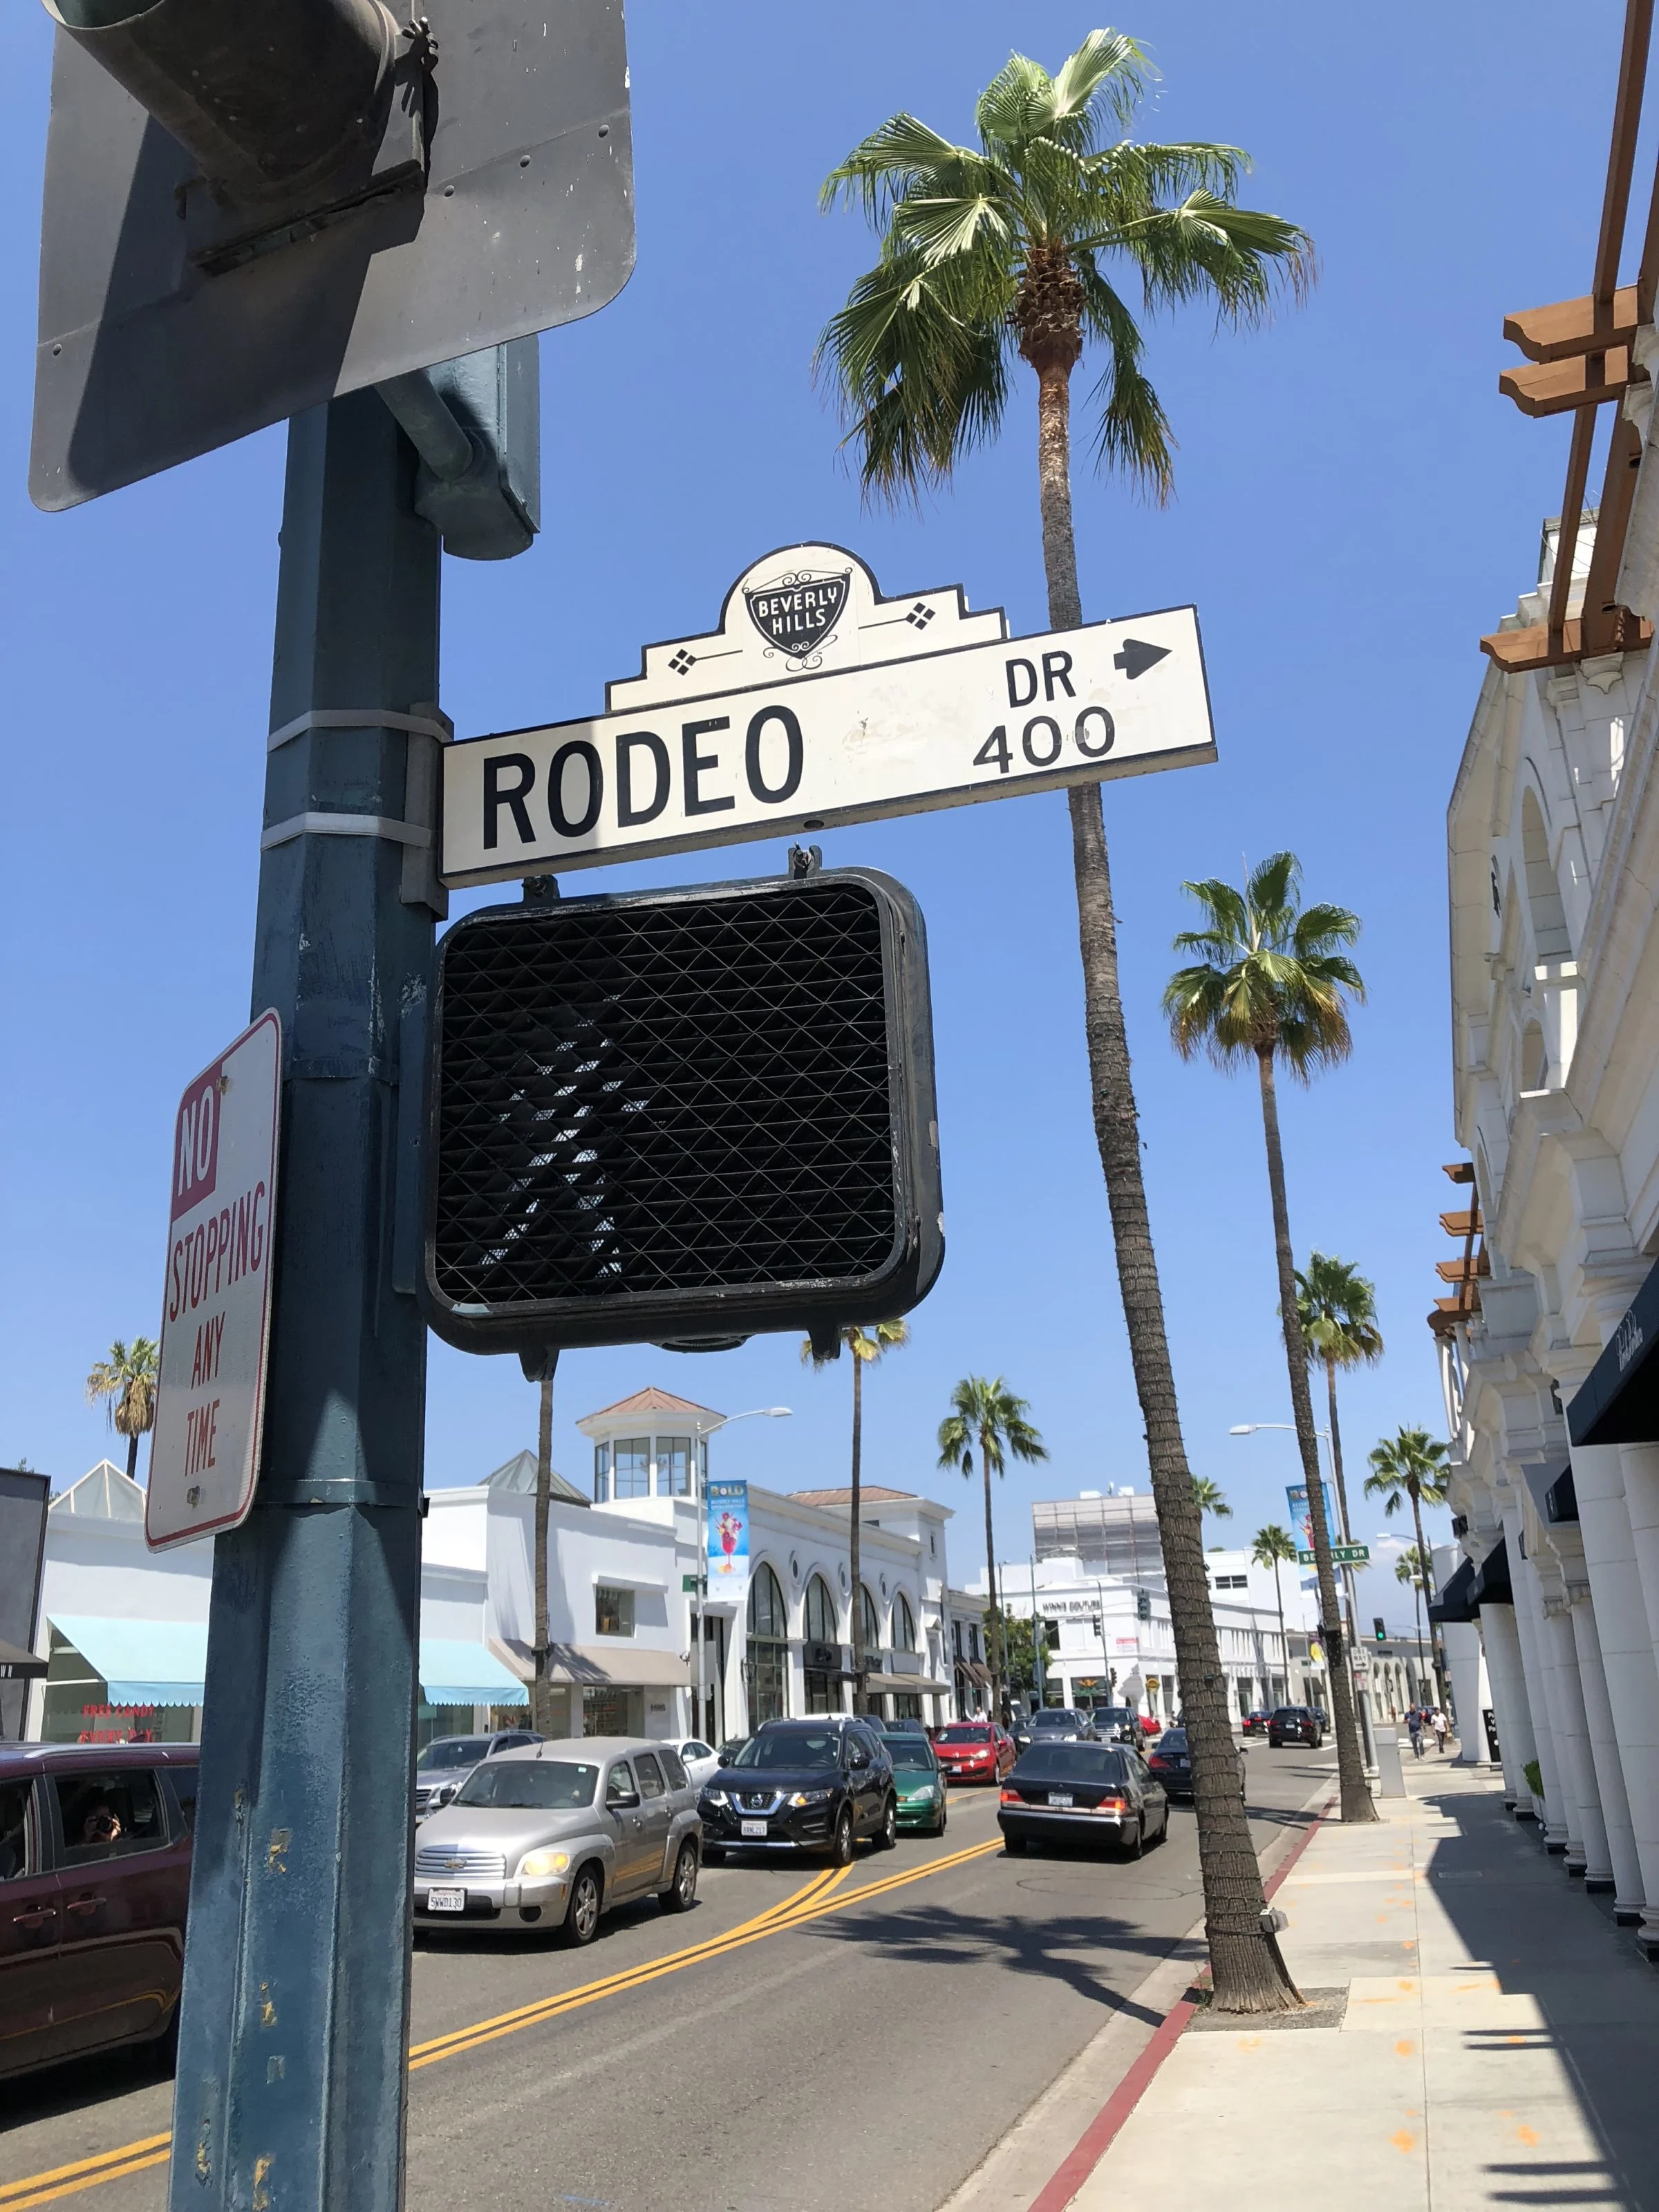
column 1355, row 504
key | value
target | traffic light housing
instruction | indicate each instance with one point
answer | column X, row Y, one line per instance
column 681, row 1117
column 1143, row 1605
column 1379, row 1628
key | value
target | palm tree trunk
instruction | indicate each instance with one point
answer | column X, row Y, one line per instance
column 132, row 1456
column 993, row 1613
column 1247, row 1969
column 1341, row 1503
column 1357, row 1801
column 859, row 1700
column 541, row 1691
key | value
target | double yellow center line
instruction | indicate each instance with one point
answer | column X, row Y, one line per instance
column 822, row 1895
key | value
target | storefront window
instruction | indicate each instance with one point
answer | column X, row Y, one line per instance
column 612, row 1711
column 823, row 1688
column 869, row 1620
column 601, row 1473
column 633, row 1467
column 767, row 1664
column 673, row 1466
column 904, row 1624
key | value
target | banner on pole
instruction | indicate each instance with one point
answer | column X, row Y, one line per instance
column 728, row 1534
column 1301, row 1513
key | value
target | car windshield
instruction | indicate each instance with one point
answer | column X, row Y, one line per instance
column 792, row 1747
column 1117, row 1715
column 912, row 1755
column 1084, row 1762
column 1056, row 1719
column 453, row 1751
column 1171, row 1739
column 529, row 1785
column 1291, row 1713
column 963, row 1736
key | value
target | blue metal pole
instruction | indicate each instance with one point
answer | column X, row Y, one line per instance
column 291, row 2076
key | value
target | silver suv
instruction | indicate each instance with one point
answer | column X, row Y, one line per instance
column 554, row 1836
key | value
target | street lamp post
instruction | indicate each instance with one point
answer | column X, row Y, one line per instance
column 755, row 1413
column 1363, row 1695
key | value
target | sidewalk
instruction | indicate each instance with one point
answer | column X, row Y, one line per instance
column 1492, row 2038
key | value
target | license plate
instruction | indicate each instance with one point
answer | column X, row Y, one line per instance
column 1062, row 1798
column 754, row 1827
column 445, row 1900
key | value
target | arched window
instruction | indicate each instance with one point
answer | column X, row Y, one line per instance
column 904, row 1624
column 869, row 1620
column 820, row 1612
column 766, row 1663
column 1550, row 937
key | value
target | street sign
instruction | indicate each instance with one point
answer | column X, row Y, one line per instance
column 215, row 1309
column 818, row 702
column 200, row 279
column 1342, row 1555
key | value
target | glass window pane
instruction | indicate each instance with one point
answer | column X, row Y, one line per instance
column 820, row 1612
column 13, row 1830
column 633, row 1467
column 650, row 1774
column 904, row 1625
column 619, row 1783
column 106, row 1816
column 613, row 1611
column 870, row 1620
column 601, row 1473
column 673, row 1466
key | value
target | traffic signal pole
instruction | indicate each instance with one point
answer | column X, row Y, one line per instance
column 291, row 2074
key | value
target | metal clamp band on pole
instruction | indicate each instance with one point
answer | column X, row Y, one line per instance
column 362, row 718
column 342, row 825
column 323, row 1491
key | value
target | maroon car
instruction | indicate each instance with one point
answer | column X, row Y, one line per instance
column 94, row 1877
column 974, row 1751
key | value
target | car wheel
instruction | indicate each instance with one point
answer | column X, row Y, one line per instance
column 887, row 1834
column 681, row 1893
column 939, row 1831
column 1014, row 1845
column 841, row 1847
column 581, row 1915
column 1132, row 1850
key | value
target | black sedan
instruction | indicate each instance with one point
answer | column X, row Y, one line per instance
column 1054, row 1724
column 816, row 1785
column 1295, row 1724
column 1171, row 1761
column 1069, row 1791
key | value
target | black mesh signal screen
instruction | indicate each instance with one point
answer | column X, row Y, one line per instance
column 641, row 1098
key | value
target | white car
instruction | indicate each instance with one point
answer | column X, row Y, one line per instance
column 701, row 1760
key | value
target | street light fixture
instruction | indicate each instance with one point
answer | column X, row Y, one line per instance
column 754, row 1413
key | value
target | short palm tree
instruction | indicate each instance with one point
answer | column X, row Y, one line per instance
column 1272, row 1547
column 987, row 1418
column 1271, row 983
column 126, row 1382
column 999, row 254
column 1411, row 1466
column 1209, row 1498
column 1410, row 1567
column 866, row 1344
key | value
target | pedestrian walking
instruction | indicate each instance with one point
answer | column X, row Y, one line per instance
column 1414, row 1727
column 1442, row 1728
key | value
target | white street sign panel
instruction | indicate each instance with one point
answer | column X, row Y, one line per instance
column 834, row 705
column 215, row 1310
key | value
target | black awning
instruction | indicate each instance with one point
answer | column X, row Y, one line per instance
column 1457, row 1602
column 1493, row 1585
column 17, row 1665
column 1618, row 1401
column 1561, row 1499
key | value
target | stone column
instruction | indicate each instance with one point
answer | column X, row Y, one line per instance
column 1625, row 1640
column 1594, row 1861
column 1470, row 1693
column 1529, row 1625
column 1517, row 1743
column 1609, row 1773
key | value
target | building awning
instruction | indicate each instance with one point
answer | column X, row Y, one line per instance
column 17, row 1665
column 603, row 1666
column 1493, row 1585
column 1618, row 1401
column 1456, row 1602
column 1549, row 1486
column 141, row 1662
column 974, row 1671
column 456, row 1673
column 912, row 1686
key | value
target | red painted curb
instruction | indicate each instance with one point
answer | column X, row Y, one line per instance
column 1096, row 2138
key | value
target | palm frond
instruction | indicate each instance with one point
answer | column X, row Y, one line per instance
column 1132, row 431
column 884, row 166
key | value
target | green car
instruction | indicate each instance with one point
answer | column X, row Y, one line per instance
column 920, row 1785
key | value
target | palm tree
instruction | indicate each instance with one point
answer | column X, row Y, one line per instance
column 1337, row 1308
column 991, row 254
column 987, row 1417
column 1412, row 1465
column 126, row 1382
column 1209, row 1498
column 1272, row 1547
column 865, row 1345
column 1269, row 984
column 541, row 1686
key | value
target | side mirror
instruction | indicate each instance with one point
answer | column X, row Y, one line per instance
column 624, row 1802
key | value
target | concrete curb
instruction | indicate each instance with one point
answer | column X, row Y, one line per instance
column 1056, row 2143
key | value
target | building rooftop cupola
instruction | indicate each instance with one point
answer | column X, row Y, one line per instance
column 652, row 1445
column 650, row 1408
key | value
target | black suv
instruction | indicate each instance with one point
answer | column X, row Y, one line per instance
column 814, row 1785
column 1295, row 1724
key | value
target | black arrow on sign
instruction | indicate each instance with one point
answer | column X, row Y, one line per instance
column 1137, row 657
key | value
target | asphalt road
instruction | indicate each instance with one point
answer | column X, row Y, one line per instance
column 792, row 2038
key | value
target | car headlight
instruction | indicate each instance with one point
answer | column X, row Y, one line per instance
column 713, row 1797
column 537, row 1865
column 924, row 1794
column 811, row 1796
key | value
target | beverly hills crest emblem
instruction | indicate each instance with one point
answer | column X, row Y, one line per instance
column 797, row 612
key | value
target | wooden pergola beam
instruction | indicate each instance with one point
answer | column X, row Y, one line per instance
column 1552, row 388
column 1568, row 329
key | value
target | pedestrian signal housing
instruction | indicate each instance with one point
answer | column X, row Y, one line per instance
column 682, row 1117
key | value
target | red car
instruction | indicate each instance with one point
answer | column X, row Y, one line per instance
column 974, row 1751
column 1151, row 1724
column 95, row 1876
